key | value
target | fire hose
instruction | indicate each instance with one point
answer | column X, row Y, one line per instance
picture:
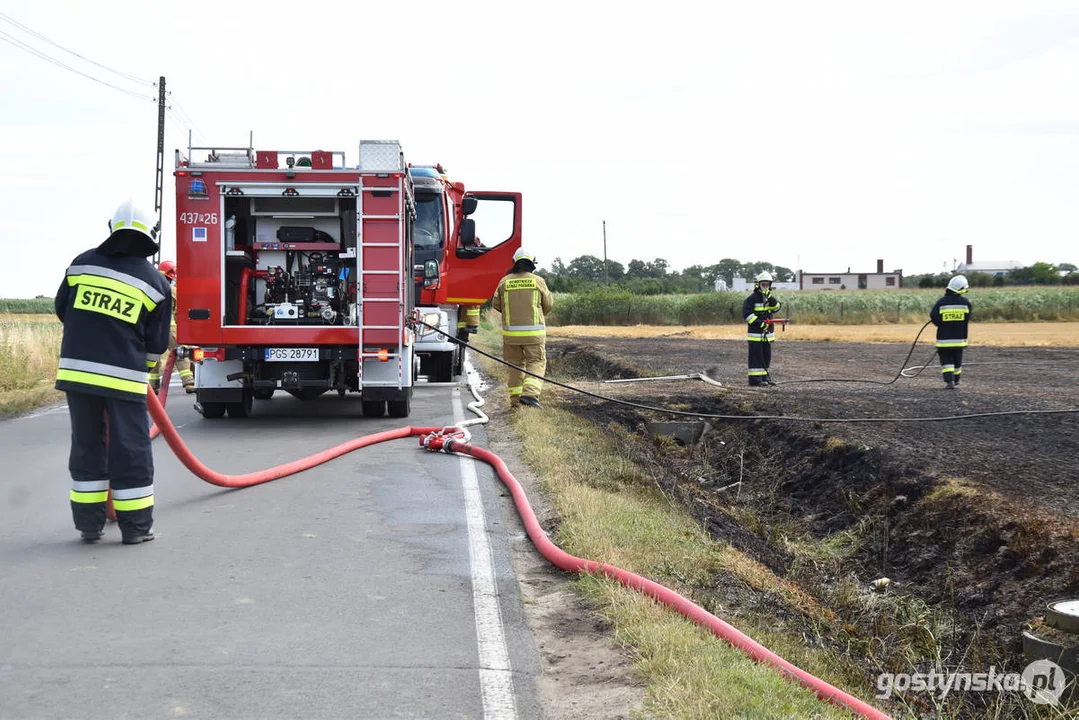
column 454, row 440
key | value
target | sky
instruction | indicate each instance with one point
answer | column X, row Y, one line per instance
column 814, row 136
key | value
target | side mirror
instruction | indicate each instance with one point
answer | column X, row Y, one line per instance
column 430, row 274
column 469, row 205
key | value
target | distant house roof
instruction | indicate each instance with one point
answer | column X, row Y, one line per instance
column 990, row 266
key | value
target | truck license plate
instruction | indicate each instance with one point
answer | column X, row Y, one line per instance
column 292, row 354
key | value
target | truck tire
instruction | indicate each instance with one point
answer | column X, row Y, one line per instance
column 212, row 410
column 401, row 408
column 441, row 367
column 243, row 408
column 373, row 408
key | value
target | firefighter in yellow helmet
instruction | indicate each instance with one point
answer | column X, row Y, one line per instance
column 183, row 365
column 115, row 308
column 524, row 300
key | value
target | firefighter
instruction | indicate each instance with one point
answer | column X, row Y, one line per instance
column 182, row 365
column 524, row 300
column 115, row 309
column 468, row 321
column 951, row 315
column 757, row 309
column 468, row 316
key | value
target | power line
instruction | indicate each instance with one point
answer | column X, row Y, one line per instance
column 186, row 117
column 12, row 40
column 39, row 36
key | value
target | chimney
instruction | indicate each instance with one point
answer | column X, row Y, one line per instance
column 970, row 254
column 880, row 266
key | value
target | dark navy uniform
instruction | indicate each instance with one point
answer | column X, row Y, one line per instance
column 757, row 308
column 951, row 315
column 116, row 310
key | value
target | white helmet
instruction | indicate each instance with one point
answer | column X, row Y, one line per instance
column 133, row 231
column 958, row 285
column 765, row 276
column 523, row 254
column 131, row 217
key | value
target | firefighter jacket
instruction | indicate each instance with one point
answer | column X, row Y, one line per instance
column 524, row 300
column 757, row 308
column 951, row 315
column 116, row 311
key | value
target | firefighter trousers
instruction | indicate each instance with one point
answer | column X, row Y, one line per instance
column 182, row 367
column 951, row 363
column 110, row 450
column 532, row 358
column 760, row 359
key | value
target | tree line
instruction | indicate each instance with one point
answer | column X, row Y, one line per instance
column 588, row 272
column 639, row 277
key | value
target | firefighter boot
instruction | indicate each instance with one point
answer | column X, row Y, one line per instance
column 949, row 384
column 530, row 402
column 189, row 389
column 140, row 538
column 92, row 536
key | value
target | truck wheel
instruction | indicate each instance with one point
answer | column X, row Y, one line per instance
column 401, row 408
column 373, row 408
column 442, row 367
column 243, row 408
column 212, row 410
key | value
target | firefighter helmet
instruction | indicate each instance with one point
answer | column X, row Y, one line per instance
column 958, row 285
column 523, row 254
column 765, row 276
column 133, row 231
column 168, row 269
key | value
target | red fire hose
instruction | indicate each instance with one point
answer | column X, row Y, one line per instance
column 657, row 592
column 433, row 439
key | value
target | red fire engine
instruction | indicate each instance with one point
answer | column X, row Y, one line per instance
column 296, row 272
column 454, row 269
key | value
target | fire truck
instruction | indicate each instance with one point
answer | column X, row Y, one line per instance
column 296, row 274
column 453, row 268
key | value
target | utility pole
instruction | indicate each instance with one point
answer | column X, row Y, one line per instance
column 606, row 280
column 159, row 186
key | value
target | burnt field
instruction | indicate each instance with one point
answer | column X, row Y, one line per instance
column 977, row 519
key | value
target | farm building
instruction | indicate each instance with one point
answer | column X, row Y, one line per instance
column 997, row 268
column 878, row 280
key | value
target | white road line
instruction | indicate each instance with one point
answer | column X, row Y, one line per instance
column 496, row 675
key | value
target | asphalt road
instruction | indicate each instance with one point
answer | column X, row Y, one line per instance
column 377, row 585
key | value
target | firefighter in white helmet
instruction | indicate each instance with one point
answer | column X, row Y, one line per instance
column 757, row 311
column 115, row 307
column 524, row 300
column 951, row 314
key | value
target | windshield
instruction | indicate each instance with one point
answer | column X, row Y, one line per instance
column 428, row 231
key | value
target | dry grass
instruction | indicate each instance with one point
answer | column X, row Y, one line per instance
column 29, row 348
column 996, row 334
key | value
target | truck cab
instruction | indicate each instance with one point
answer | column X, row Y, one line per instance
column 464, row 243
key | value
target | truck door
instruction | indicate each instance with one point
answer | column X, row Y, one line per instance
column 483, row 245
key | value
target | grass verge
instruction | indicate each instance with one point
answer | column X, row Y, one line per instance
column 613, row 512
column 28, row 354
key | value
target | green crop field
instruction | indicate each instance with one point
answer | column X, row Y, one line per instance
column 851, row 307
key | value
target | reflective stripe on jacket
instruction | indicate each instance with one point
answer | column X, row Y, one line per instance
column 524, row 300
column 951, row 315
column 116, row 312
column 757, row 308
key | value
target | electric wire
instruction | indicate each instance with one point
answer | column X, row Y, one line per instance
column 186, row 117
column 786, row 418
column 12, row 21
column 12, row 40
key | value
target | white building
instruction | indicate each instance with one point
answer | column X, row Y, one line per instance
column 997, row 268
column 878, row 280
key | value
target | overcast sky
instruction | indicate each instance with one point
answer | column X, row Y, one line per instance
column 815, row 136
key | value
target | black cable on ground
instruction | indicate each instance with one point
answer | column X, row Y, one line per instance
column 902, row 368
column 968, row 416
